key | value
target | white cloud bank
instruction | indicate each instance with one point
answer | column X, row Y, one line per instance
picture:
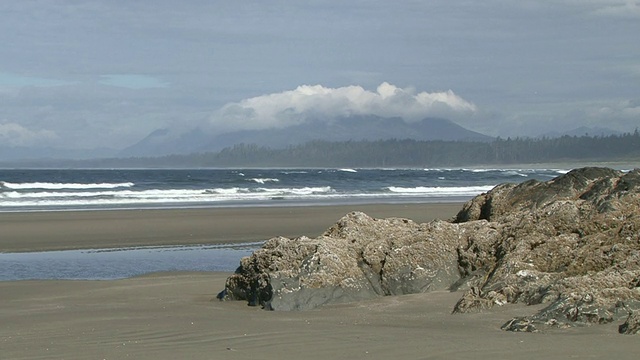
column 12, row 134
column 317, row 102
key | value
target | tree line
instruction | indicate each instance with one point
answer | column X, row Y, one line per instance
column 402, row 153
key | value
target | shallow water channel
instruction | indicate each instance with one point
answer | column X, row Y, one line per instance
column 109, row 264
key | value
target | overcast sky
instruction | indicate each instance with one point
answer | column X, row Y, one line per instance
column 88, row 73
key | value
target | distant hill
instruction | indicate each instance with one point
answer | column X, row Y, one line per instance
column 621, row 149
column 356, row 128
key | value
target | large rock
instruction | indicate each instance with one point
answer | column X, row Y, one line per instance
column 358, row 258
column 572, row 243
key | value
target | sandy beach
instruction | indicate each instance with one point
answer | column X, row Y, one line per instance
column 61, row 230
column 176, row 316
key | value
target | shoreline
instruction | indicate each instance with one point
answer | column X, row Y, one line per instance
column 103, row 229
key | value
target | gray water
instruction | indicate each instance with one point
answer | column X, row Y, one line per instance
column 90, row 189
column 109, row 264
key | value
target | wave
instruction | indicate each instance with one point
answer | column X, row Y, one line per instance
column 196, row 188
column 191, row 197
column 508, row 172
column 264, row 180
column 272, row 191
column 441, row 190
column 311, row 190
column 514, row 173
column 290, row 172
column 60, row 186
column 155, row 196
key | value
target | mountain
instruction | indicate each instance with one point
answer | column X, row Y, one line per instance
column 165, row 142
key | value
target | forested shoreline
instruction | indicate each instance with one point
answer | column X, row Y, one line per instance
column 394, row 153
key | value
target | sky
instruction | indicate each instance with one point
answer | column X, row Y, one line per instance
column 105, row 73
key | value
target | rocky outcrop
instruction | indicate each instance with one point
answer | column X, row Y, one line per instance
column 358, row 258
column 572, row 243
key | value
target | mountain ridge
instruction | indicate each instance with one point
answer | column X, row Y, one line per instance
column 165, row 142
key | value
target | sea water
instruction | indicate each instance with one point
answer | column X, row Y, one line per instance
column 32, row 190
column 109, row 264
column 59, row 190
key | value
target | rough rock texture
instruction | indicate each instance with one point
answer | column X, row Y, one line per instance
column 572, row 243
column 358, row 258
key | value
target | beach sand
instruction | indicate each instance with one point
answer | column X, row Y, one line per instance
column 61, row 230
column 176, row 316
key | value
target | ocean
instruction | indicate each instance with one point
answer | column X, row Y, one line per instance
column 33, row 190
column 61, row 190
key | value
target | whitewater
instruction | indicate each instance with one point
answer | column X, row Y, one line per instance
column 91, row 189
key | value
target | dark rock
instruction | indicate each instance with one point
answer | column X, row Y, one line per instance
column 222, row 295
column 632, row 325
column 519, row 324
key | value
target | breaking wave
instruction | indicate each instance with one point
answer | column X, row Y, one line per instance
column 441, row 191
column 33, row 190
column 58, row 186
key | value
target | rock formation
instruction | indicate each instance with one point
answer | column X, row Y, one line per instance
column 358, row 258
column 572, row 243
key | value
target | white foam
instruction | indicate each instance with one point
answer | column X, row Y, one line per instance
column 311, row 190
column 155, row 196
column 441, row 191
column 264, row 180
column 514, row 173
column 227, row 191
column 58, row 186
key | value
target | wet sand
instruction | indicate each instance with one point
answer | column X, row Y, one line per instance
column 176, row 316
column 60, row 230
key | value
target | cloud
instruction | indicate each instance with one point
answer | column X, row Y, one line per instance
column 609, row 8
column 624, row 9
column 625, row 110
column 317, row 102
column 12, row 134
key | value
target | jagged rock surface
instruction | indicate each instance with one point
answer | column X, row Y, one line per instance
column 358, row 258
column 572, row 243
